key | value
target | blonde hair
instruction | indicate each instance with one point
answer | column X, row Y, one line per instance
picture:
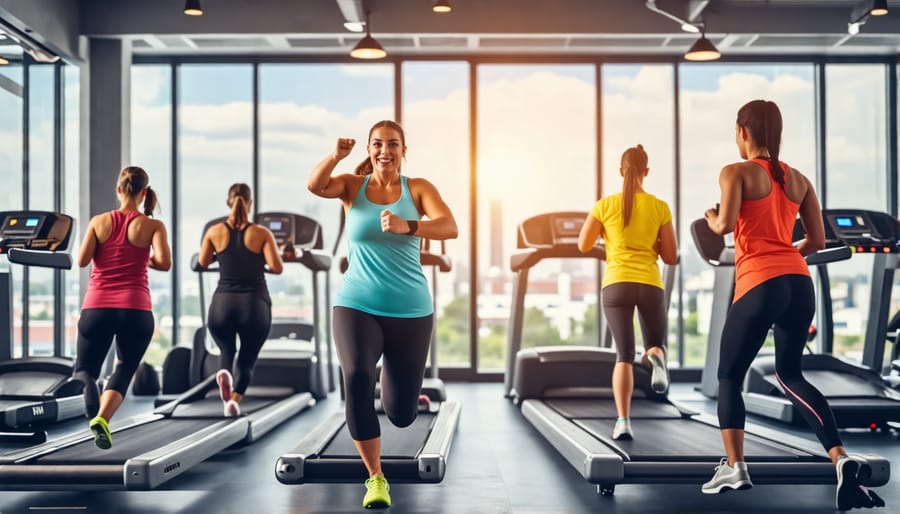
column 634, row 163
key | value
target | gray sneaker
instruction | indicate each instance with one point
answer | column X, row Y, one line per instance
column 659, row 380
column 728, row 477
column 622, row 430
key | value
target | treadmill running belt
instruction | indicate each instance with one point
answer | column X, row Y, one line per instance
column 126, row 443
column 212, row 407
column 584, row 408
column 396, row 443
column 684, row 440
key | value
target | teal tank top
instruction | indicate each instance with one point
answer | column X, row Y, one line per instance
column 385, row 275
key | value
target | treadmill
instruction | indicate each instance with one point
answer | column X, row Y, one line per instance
column 857, row 394
column 417, row 453
column 34, row 391
column 149, row 450
column 566, row 394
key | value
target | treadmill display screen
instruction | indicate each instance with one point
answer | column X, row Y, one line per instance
column 275, row 225
column 566, row 229
column 844, row 221
column 21, row 226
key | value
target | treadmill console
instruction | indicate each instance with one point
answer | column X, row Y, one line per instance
column 863, row 231
column 302, row 232
column 280, row 224
column 551, row 230
column 34, row 230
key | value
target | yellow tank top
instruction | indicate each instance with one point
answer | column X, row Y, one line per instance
column 631, row 254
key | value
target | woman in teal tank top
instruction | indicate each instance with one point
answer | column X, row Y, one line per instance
column 383, row 308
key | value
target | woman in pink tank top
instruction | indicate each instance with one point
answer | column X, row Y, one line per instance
column 122, row 244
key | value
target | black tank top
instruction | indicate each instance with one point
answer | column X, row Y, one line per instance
column 240, row 270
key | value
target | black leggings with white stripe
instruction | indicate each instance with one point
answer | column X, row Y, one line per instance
column 788, row 302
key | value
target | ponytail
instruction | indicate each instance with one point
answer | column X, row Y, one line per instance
column 150, row 201
column 634, row 163
column 364, row 168
column 238, row 216
column 773, row 124
column 239, row 200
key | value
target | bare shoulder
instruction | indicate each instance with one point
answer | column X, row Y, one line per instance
column 419, row 184
column 260, row 231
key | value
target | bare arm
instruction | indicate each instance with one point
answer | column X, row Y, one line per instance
column 89, row 245
column 207, row 250
column 321, row 183
column 730, row 204
column 668, row 246
column 811, row 216
column 161, row 257
column 589, row 234
column 270, row 253
column 440, row 224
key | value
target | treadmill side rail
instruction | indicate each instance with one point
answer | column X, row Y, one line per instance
column 433, row 457
column 162, row 464
column 263, row 421
column 597, row 462
column 290, row 466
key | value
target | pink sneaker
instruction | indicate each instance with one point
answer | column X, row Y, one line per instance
column 232, row 409
column 223, row 378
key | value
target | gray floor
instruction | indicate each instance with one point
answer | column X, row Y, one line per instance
column 498, row 464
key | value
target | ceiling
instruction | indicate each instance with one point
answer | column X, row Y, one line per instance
column 492, row 27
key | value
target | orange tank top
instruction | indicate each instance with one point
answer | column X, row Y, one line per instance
column 763, row 238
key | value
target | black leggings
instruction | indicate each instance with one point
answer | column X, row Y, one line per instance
column 132, row 329
column 788, row 303
column 247, row 315
column 360, row 339
column 619, row 302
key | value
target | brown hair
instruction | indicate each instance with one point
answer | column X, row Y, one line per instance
column 365, row 167
column 239, row 201
column 762, row 119
column 634, row 163
column 133, row 180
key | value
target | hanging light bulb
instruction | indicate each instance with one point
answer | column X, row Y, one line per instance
column 3, row 62
column 879, row 8
column 192, row 8
column 702, row 50
column 441, row 6
column 367, row 47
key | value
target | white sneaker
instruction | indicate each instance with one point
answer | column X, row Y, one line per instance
column 224, row 381
column 659, row 380
column 232, row 409
column 727, row 477
column 622, row 430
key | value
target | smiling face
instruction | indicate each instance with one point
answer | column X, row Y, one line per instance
column 386, row 149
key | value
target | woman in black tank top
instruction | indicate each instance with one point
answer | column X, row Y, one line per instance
column 240, row 305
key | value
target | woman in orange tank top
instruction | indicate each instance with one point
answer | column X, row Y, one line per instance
column 761, row 197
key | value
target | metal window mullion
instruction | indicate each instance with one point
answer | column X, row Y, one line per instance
column 59, row 294
column 676, row 134
column 256, row 178
column 892, row 179
column 176, row 202
column 598, row 91
column 26, row 190
column 473, row 216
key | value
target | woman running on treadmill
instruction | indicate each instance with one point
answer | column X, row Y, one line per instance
column 761, row 197
column 637, row 230
column 122, row 244
column 383, row 308
column 241, row 305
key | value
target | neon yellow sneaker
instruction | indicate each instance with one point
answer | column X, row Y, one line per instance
column 377, row 494
column 102, row 436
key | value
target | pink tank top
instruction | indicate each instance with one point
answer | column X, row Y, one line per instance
column 119, row 274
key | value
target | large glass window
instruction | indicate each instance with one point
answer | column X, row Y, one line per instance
column 856, row 177
column 303, row 110
column 151, row 149
column 215, row 144
column 639, row 108
column 71, row 200
column 709, row 98
column 41, row 154
column 536, row 154
column 11, row 197
column 436, row 119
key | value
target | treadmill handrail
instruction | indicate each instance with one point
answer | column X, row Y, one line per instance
column 40, row 258
column 529, row 257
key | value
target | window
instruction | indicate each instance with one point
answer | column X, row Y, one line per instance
column 536, row 135
column 151, row 149
column 436, row 120
column 11, row 197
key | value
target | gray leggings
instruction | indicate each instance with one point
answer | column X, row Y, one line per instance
column 402, row 343
column 619, row 302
